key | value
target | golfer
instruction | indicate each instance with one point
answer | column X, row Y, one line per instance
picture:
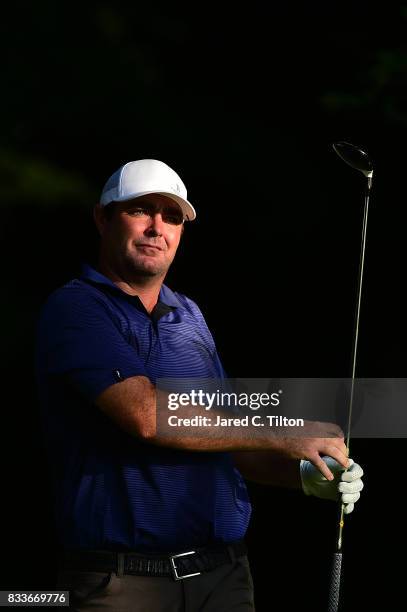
column 145, row 521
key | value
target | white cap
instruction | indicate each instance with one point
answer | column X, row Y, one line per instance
column 145, row 176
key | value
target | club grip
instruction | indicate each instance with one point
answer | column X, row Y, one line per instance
column 335, row 583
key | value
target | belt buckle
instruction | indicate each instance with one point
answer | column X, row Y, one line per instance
column 174, row 567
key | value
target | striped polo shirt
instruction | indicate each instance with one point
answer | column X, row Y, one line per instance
column 113, row 490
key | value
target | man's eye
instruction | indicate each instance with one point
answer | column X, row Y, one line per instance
column 173, row 219
column 137, row 212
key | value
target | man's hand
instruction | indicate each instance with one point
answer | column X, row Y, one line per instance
column 346, row 485
column 325, row 439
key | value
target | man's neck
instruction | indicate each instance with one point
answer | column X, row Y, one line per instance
column 147, row 289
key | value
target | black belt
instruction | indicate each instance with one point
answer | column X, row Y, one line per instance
column 180, row 565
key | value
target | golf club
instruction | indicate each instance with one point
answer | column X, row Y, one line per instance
column 358, row 159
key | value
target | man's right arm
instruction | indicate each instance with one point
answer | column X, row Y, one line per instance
column 132, row 405
column 81, row 341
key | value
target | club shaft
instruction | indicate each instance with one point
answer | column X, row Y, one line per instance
column 357, row 316
column 355, row 342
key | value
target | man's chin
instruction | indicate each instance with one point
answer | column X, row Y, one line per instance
column 147, row 270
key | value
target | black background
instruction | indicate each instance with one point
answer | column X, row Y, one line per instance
column 244, row 103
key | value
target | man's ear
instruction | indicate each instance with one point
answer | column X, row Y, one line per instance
column 99, row 218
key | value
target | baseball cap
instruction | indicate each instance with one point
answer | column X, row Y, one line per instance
column 145, row 176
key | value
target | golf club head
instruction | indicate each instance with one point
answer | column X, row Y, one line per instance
column 355, row 157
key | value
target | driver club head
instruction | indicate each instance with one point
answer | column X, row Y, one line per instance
column 355, row 157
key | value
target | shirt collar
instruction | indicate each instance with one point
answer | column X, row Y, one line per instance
column 166, row 295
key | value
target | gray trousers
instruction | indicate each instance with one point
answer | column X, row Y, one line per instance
column 228, row 588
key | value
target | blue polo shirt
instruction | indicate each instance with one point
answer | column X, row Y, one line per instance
column 112, row 490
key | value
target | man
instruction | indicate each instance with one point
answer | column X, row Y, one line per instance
column 148, row 521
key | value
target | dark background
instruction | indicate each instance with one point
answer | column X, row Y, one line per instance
column 244, row 103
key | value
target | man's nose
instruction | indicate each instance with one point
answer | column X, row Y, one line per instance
column 156, row 225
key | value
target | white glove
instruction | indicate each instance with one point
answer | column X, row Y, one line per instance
column 348, row 483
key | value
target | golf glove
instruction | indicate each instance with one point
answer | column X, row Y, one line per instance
column 345, row 486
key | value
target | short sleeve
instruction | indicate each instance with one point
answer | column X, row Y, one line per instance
column 80, row 340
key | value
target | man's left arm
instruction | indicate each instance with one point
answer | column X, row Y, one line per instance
column 269, row 468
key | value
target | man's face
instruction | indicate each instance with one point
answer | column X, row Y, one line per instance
column 142, row 235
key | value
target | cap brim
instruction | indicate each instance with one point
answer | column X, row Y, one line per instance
column 186, row 207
